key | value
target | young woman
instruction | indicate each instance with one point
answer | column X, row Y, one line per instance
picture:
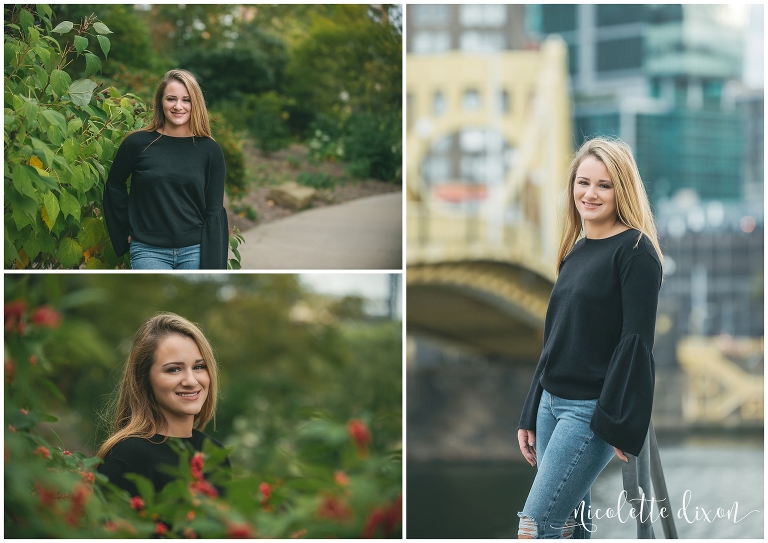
column 169, row 388
column 173, row 217
column 592, row 392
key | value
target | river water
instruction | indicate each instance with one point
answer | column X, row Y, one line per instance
column 481, row 500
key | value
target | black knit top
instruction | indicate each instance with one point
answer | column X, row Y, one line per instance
column 176, row 198
column 598, row 337
column 147, row 457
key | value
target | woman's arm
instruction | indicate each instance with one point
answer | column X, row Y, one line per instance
column 116, row 198
column 623, row 411
column 214, row 242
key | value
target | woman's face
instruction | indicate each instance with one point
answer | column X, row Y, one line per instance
column 593, row 192
column 179, row 378
column 177, row 105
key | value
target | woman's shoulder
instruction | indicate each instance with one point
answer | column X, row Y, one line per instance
column 637, row 250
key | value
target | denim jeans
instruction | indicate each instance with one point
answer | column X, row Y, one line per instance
column 569, row 457
column 147, row 257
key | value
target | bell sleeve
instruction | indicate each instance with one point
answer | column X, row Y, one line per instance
column 623, row 411
column 116, row 197
column 531, row 405
column 214, row 242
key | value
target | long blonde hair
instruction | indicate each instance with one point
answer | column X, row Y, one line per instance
column 134, row 410
column 199, row 123
column 632, row 206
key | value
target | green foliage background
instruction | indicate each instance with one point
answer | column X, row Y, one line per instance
column 295, row 367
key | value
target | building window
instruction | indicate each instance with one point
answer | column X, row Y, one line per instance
column 431, row 42
column 481, row 42
column 503, row 102
column 621, row 54
column 494, row 15
column 617, row 14
column 429, row 14
column 471, row 100
column 438, row 104
column 558, row 18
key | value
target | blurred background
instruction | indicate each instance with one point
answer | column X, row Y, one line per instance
column 304, row 93
column 291, row 349
column 499, row 97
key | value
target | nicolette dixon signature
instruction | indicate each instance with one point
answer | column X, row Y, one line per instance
column 624, row 511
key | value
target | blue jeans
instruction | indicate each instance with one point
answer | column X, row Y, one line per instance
column 147, row 257
column 569, row 457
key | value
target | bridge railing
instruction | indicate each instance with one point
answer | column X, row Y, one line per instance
column 637, row 475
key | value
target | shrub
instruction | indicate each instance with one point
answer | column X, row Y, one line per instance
column 236, row 182
column 266, row 118
column 374, row 147
column 60, row 139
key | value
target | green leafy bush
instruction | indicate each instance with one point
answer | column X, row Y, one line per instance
column 374, row 147
column 236, row 182
column 60, row 139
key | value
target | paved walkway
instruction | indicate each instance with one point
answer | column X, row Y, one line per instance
column 360, row 234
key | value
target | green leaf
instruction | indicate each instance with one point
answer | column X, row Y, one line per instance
column 44, row 9
column 80, row 44
column 23, row 182
column 63, row 27
column 101, row 28
column 53, row 390
column 94, row 264
column 43, row 151
column 55, row 118
column 92, row 64
column 9, row 251
column 104, row 42
column 76, row 178
column 70, row 253
column 70, row 206
column 91, row 232
column 81, row 91
column 52, row 207
column 39, row 242
column 55, row 136
column 98, row 166
column 30, row 111
column 22, row 205
column 143, row 485
column 74, row 125
column 108, row 149
column 43, row 54
column 71, row 149
column 60, row 82
column 26, row 20
column 41, row 76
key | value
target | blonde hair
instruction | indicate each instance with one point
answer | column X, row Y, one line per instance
column 632, row 206
column 199, row 123
column 135, row 412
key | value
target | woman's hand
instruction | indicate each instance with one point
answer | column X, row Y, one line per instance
column 527, row 441
column 129, row 239
column 620, row 454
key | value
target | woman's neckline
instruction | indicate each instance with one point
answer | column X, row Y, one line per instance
column 609, row 237
column 174, row 137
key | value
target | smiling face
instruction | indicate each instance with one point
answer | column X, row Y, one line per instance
column 594, row 193
column 180, row 382
column 177, row 107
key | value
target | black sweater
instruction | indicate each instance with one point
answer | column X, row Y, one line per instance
column 145, row 457
column 176, row 199
column 598, row 337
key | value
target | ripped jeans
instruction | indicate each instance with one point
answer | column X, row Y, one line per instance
column 569, row 457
